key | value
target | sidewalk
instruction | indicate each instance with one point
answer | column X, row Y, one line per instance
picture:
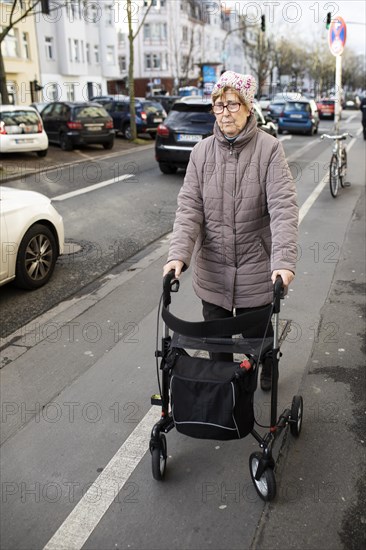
column 322, row 503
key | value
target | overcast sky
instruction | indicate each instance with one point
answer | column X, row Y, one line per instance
column 305, row 20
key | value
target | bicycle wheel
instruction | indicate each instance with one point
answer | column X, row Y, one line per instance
column 334, row 176
column 343, row 171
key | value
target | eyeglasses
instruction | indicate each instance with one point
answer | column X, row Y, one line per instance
column 218, row 108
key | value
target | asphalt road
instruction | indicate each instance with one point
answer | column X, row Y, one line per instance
column 76, row 412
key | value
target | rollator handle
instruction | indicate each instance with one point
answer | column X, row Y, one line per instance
column 170, row 284
column 278, row 293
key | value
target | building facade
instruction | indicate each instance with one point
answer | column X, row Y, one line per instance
column 78, row 50
column 181, row 43
column 20, row 56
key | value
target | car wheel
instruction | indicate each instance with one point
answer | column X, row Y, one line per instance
column 42, row 153
column 109, row 144
column 167, row 168
column 127, row 131
column 36, row 258
column 65, row 142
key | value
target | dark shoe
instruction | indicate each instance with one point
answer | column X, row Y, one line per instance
column 266, row 375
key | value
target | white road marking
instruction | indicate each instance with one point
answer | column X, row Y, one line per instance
column 283, row 138
column 77, row 192
column 81, row 522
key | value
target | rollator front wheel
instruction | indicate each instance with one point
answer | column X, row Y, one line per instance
column 159, row 458
column 266, row 484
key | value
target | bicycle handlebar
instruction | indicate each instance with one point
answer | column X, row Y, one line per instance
column 341, row 136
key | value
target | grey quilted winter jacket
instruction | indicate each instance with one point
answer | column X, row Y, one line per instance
column 237, row 212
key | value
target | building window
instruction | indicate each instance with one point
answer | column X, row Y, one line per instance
column 25, row 45
column 109, row 15
column 96, row 54
column 87, row 47
column 147, row 31
column 52, row 92
column 11, row 44
column 121, row 37
column 70, row 91
column 122, row 63
column 152, row 61
column 110, row 55
column 76, row 50
column 185, row 34
column 48, row 41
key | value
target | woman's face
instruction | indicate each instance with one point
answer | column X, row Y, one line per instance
column 231, row 124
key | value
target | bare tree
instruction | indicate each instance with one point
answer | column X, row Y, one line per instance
column 19, row 10
column 131, row 83
column 258, row 53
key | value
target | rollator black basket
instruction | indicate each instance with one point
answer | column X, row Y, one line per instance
column 211, row 399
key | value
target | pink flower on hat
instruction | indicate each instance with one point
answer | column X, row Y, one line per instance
column 244, row 85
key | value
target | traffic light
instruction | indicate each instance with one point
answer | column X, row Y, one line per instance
column 329, row 20
column 263, row 23
column 45, row 8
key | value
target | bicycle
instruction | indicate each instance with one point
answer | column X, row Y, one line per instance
column 338, row 163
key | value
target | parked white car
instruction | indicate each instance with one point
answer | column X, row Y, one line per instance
column 21, row 130
column 31, row 238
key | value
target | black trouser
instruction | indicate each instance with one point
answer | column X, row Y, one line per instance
column 364, row 128
column 211, row 311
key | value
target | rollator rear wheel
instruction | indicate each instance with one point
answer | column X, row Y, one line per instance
column 266, row 485
column 297, row 408
column 159, row 457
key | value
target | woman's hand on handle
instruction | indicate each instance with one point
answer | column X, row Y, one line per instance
column 175, row 265
column 287, row 277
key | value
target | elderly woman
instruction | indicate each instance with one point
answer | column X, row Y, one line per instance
column 237, row 211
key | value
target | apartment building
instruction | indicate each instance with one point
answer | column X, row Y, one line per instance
column 20, row 56
column 77, row 49
column 182, row 42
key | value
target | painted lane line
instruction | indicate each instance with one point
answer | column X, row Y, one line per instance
column 81, row 522
column 312, row 198
column 77, row 192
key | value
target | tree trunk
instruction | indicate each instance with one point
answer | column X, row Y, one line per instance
column 131, row 82
column 3, row 87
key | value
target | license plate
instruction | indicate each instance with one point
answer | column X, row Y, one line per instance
column 295, row 116
column 24, row 141
column 158, row 120
column 189, row 137
column 94, row 128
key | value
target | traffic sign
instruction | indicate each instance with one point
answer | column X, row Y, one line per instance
column 337, row 35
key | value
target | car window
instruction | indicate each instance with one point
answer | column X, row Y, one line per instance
column 90, row 111
column 47, row 110
column 297, row 106
column 20, row 122
column 152, row 107
column 196, row 117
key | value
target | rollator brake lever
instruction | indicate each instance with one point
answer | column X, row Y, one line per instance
column 170, row 284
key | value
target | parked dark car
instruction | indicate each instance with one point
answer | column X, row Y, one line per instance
column 71, row 124
column 167, row 101
column 275, row 108
column 149, row 114
column 189, row 121
column 299, row 116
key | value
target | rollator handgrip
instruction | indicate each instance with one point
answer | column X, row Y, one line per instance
column 170, row 284
column 278, row 293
